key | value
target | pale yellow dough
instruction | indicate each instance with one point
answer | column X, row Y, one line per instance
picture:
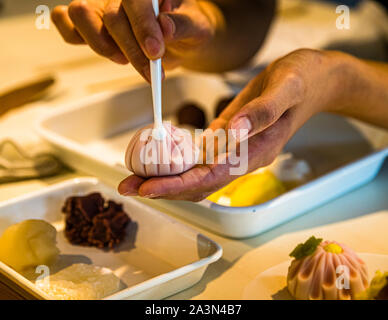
column 28, row 244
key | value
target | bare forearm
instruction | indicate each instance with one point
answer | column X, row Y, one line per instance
column 363, row 89
column 240, row 29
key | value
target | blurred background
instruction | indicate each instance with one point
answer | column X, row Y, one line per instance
column 19, row 7
column 12, row 7
column 27, row 53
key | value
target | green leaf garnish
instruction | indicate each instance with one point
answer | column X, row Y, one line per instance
column 378, row 288
column 305, row 249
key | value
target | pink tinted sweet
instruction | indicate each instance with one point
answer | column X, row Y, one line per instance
column 315, row 277
column 150, row 157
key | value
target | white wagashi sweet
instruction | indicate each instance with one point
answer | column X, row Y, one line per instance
column 331, row 272
column 80, row 282
column 170, row 154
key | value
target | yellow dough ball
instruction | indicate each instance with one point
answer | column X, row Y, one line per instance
column 28, row 244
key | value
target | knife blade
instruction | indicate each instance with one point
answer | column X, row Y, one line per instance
column 24, row 93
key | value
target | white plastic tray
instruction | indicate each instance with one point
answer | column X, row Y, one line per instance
column 92, row 135
column 159, row 258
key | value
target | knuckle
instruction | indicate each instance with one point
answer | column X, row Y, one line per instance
column 112, row 14
column 111, row 19
column 295, row 81
column 129, row 3
column 57, row 13
column 143, row 25
column 269, row 112
column 77, row 9
column 139, row 19
column 266, row 113
column 104, row 49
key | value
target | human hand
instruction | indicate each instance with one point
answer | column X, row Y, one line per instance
column 272, row 107
column 128, row 31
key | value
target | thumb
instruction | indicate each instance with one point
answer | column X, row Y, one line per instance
column 178, row 26
column 262, row 112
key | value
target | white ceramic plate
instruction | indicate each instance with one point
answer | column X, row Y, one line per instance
column 159, row 257
column 272, row 283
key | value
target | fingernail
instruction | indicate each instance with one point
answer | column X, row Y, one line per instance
column 241, row 128
column 242, row 123
column 151, row 196
column 129, row 194
column 153, row 47
column 119, row 58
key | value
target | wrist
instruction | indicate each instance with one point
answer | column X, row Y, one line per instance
column 344, row 81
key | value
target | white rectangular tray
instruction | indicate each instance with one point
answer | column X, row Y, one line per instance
column 92, row 135
column 159, row 258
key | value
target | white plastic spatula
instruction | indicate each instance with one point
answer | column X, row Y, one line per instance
column 159, row 131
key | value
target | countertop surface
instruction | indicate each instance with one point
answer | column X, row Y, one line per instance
column 358, row 218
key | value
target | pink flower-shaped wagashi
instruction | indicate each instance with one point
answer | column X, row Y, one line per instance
column 150, row 156
column 332, row 272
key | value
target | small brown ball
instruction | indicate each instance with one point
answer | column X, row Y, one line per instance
column 191, row 114
column 222, row 104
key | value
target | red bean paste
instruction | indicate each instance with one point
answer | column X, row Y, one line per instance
column 92, row 221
